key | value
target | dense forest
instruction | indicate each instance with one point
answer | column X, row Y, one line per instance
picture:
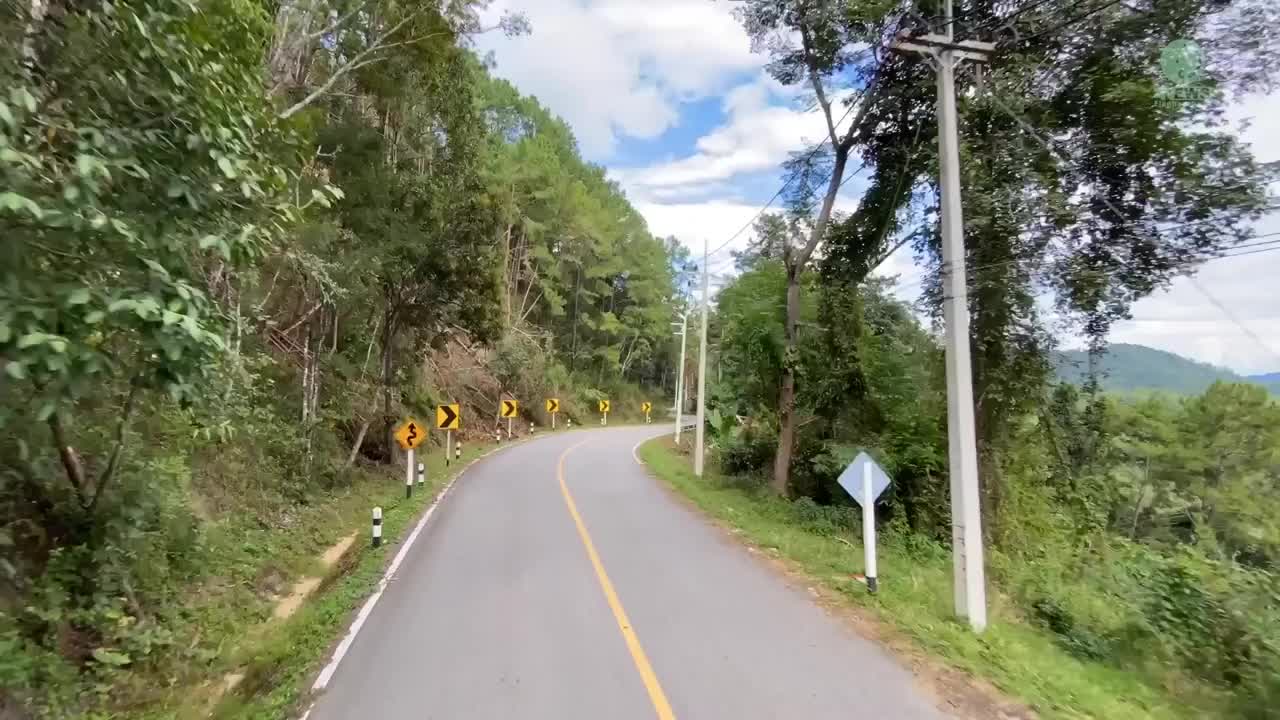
column 1140, row 533
column 241, row 241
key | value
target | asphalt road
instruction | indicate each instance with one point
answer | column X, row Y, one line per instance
column 559, row 581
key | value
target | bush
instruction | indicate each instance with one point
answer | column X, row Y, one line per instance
column 748, row 451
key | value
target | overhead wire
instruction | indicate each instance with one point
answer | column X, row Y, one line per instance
column 1234, row 320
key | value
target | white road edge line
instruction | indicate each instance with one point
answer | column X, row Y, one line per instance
column 326, row 674
column 636, row 447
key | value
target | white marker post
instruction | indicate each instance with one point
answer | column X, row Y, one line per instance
column 568, row 423
column 497, row 435
column 864, row 480
column 408, row 473
column 457, row 451
column 422, row 474
column 377, row 526
column 869, row 528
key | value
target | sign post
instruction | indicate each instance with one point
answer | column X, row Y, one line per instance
column 553, row 407
column 410, row 435
column 448, row 446
column 408, row 474
column 864, row 480
column 604, row 412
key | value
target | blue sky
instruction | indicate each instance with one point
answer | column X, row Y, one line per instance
column 667, row 95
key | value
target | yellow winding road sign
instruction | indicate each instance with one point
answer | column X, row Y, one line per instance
column 410, row 434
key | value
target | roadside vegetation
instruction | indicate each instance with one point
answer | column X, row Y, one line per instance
column 1133, row 544
column 241, row 242
column 1133, row 554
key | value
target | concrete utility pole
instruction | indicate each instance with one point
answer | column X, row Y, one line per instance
column 944, row 53
column 684, row 332
column 702, row 370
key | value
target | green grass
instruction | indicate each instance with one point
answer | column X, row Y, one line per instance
column 915, row 602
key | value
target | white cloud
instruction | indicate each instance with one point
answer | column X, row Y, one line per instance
column 1184, row 320
column 621, row 67
column 762, row 131
column 1260, row 112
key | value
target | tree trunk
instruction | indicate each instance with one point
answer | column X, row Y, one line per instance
column 289, row 57
column 388, row 336
column 355, row 446
column 787, row 394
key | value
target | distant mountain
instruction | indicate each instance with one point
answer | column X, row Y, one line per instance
column 1270, row 380
column 1138, row 367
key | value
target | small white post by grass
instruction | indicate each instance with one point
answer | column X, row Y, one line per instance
column 377, row 526
column 422, row 474
column 864, row 480
column 457, row 451
column 530, row 427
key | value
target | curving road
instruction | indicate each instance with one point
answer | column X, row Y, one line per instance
column 559, row 581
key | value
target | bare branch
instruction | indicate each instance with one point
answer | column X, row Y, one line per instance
column 818, row 90
column 339, row 22
column 354, row 63
column 114, row 461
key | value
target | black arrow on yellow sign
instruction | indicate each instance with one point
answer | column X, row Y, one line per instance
column 509, row 408
column 447, row 417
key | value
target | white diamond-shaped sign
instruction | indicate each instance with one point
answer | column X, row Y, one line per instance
column 851, row 478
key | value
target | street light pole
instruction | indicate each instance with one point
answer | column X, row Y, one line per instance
column 966, row 519
column 684, row 327
column 702, row 370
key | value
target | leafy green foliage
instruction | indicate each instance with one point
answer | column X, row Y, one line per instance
column 237, row 247
column 125, row 183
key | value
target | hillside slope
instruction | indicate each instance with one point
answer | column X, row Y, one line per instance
column 1270, row 381
column 1129, row 367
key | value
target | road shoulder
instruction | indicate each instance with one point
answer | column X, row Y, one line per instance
column 958, row 693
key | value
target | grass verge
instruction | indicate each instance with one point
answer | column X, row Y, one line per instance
column 915, row 604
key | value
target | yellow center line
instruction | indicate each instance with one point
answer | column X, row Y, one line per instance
column 647, row 676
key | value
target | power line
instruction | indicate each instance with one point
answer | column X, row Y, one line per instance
column 1072, row 21
column 1231, row 316
column 1002, row 263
